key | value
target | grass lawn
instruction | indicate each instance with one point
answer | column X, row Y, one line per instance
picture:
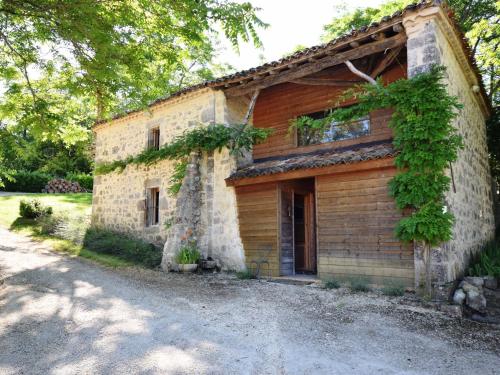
column 77, row 203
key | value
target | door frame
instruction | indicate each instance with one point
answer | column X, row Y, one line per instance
column 294, row 187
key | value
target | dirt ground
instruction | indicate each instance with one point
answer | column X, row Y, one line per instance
column 61, row 315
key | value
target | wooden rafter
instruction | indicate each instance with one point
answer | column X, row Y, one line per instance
column 325, row 82
column 323, row 63
column 385, row 62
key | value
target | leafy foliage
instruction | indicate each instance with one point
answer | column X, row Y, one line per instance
column 188, row 254
column 32, row 209
column 84, row 180
column 359, row 284
column 246, row 274
column 331, row 283
column 28, row 182
column 123, row 246
column 214, row 137
column 64, row 64
column 393, row 289
column 487, row 261
column 426, row 141
column 177, row 177
column 347, row 21
column 113, row 51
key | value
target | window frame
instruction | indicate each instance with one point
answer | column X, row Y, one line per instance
column 324, row 113
column 152, row 213
column 154, row 138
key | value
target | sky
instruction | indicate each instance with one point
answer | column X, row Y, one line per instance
column 292, row 23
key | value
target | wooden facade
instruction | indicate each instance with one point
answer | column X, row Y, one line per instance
column 331, row 220
column 277, row 105
column 258, row 219
column 356, row 218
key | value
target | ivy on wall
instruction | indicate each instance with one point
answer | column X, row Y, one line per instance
column 427, row 144
column 237, row 138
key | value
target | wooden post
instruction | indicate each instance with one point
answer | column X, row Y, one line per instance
column 251, row 107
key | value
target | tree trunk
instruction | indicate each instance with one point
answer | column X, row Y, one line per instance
column 428, row 270
column 99, row 105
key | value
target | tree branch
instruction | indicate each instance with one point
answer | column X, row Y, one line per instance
column 359, row 73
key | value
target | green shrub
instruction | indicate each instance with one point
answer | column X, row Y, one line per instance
column 65, row 225
column 188, row 254
column 33, row 208
column 86, row 181
column 331, row 283
column 27, row 182
column 393, row 289
column 246, row 274
column 359, row 284
column 487, row 261
column 123, row 246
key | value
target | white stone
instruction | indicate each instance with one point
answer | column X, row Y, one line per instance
column 476, row 300
column 474, row 280
column 459, row 297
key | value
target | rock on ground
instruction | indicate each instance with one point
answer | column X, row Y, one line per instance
column 61, row 315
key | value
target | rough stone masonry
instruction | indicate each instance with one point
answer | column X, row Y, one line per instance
column 433, row 40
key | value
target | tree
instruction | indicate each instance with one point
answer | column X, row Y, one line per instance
column 65, row 64
column 126, row 50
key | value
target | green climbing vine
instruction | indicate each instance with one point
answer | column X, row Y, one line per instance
column 426, row 142
column 210, row 138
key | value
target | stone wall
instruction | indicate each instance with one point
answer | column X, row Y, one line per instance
column 204, row 205
column 432, row 40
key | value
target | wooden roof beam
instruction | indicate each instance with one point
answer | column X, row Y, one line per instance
column 324, row 82
column 326, row 62
column 385, row 62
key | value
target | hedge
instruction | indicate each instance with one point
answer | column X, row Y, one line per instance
column 86, row 181
column 27, row 182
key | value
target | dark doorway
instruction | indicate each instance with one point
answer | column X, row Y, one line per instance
column 297, row 228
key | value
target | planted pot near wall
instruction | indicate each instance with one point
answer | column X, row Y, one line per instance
column 188, row 267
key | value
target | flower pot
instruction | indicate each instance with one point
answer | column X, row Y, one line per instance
column 188, row 267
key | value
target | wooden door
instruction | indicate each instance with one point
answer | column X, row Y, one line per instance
column 310, row 237
column 287, row 267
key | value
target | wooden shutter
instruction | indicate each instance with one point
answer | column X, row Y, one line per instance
column 148, row 207
column 150, row 139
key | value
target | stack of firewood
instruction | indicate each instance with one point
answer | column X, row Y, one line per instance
column 59, row 185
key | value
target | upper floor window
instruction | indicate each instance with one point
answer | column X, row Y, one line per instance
column 335, row 131
column 154, row 139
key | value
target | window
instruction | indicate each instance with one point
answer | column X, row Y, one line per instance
column 337, row 131
column 152, row 206
column 154, row 139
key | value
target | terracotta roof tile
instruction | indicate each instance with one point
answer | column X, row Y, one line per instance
column 316, row 160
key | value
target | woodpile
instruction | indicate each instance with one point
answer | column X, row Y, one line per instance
column 60, row 185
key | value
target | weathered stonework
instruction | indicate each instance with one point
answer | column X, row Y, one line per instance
column 432, row 40
column 205, row 205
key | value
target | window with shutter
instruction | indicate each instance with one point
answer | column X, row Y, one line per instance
column 152, row 206
column 154, row 139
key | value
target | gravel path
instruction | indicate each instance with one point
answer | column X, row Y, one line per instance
column 60, row 315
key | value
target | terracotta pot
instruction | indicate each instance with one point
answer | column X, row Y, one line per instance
column 188, row 267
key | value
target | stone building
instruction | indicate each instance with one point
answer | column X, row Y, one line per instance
column 307, row 204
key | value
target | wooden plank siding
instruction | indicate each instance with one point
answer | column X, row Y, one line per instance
column 356, row 218
column 258, row 208
column 279, row 104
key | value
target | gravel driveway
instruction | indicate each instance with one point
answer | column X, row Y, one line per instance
column 60, row 315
